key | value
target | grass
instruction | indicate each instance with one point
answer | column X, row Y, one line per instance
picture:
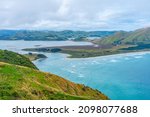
column 18, row 82
column 15, row 58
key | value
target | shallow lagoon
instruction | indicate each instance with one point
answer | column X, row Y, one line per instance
column 21, row 44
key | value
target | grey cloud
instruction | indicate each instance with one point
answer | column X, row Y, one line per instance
column 74, row 14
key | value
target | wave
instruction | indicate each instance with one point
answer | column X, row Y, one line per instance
column 113, row 60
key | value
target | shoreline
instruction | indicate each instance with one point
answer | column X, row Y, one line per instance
column 34, row 57
column 67, row 56
column 86, row 51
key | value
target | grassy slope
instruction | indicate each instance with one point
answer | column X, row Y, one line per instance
column 18, row 82
column 14, row 58
column 113, row 39
column 141, row 36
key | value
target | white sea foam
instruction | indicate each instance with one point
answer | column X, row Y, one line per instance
column 138, row 57
column 85, row 63
column 126, row 58
column 73, row 66
column 113, row 60
column 95, row 62
column 69, row 70
column 107, row 57
column 81, row 75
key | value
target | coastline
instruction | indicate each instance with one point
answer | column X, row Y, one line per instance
column 67, row 56
column 96, row 62
column 33, row 56
column 121, row 54
column 93, row 52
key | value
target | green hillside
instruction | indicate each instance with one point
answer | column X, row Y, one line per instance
column 18, row 82
column 14, row 58
column 140, row 36
column 114, row 39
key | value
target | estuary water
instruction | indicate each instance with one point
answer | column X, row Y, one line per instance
column 120, row 77
column 18, row 45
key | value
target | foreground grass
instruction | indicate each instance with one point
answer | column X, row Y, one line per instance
column 18, row 82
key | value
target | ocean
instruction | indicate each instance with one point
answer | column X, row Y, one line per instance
column 120, row 77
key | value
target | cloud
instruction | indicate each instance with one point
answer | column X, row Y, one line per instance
column 74, row 14
column 64, row 8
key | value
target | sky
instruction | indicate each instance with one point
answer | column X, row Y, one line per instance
column 74, row 14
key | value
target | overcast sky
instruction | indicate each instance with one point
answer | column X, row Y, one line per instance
column 74, row 14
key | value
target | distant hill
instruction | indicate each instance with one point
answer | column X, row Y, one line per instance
column 14, row 58
column 114, row 39
column 140, row 36
column 17, row 82
column 50, row 35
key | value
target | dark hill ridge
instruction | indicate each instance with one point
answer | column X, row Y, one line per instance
column 32, row 35
column 14, row 58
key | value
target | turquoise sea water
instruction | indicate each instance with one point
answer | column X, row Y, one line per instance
column 119, row 77
column 124, row 76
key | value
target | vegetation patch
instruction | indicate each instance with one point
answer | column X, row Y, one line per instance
column 34, row 56
column 15, row 58
column 18, row 82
